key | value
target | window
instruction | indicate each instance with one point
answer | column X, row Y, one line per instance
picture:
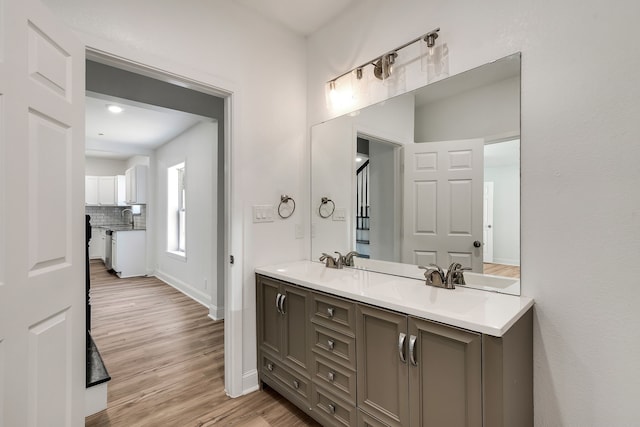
column 177, row 209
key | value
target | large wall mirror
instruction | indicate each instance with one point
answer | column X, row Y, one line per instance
column 427, row 177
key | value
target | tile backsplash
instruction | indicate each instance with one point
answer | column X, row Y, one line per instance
column 112, row 215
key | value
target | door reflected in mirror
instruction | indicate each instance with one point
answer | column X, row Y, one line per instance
column 428, row 177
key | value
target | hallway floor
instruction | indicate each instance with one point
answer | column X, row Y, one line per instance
column 166, row 361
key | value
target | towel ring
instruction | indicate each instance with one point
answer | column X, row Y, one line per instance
column 326, row 201
column 284, row 202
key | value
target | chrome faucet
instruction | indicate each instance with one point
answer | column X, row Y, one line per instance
column 435, row 276
column 330, row 261
column 131, row 212
column 348, row 258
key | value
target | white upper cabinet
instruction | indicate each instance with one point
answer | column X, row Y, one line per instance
column 136, row 184
column 91, row 190
column 105, row 190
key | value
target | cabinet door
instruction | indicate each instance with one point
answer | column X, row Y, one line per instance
column 94, row 243
column 269, row 316
column 114, row 252
column 296, row 346
column 383, row 382
column 106, row 190
column 91, row 190
column 445, row 375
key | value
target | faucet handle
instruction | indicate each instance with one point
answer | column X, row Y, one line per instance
column 330, row 261
column 348, row 258
column 433, row 275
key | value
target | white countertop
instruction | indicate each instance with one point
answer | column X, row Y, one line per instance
column 481, row 311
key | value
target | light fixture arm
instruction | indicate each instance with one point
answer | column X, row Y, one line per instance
column 429, row 37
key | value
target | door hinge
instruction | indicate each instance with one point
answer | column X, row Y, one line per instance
column 232, row 260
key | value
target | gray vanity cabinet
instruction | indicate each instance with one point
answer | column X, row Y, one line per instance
column 445, row 375
column 284, row 348
column 347, row 363
column 416, row 372
column 383, row 376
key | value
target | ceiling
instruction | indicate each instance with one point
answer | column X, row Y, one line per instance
column 137, row 130
column 141, row 128
column 303, row 17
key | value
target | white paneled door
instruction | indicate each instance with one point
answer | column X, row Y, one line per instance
column 42, row 250
column 443, row 190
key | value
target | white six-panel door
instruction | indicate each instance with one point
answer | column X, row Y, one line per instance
column 42, row 338
column 443, row 190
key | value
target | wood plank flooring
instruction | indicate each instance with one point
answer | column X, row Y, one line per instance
column 502, row 270
column 166, row 360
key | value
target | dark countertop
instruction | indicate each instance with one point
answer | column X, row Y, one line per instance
column 96, row 371
column 119, row 227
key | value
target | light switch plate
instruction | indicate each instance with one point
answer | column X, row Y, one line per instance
column 262, row 213
column 340, row 214
column 299, row 231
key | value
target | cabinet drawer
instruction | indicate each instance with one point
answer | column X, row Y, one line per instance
column 335, row 313
column 334, row 346
column 293, row 382
column 335, row 378
column 332, row 410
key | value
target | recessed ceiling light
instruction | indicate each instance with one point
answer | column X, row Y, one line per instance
column 115, row 109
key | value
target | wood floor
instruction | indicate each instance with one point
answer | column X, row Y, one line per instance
column 166, row 361
column 502, row 270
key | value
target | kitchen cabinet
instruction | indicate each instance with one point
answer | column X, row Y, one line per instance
column 136, row 185
column 283, row 339
column 91, row 190
column 128, row 253
column 97, row 244
column 373, row 366
column 105, row 190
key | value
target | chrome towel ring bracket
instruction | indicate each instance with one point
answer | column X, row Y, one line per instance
column 326, row 208
column 286, row 209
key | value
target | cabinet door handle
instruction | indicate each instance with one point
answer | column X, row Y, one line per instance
column 284, row 297
column 330, row 312
column 331, row 344
column 296, row 384
column 332, row 408
column 331, row 376
column 278, row 302
column 401, row 340
column 270, row 366
column 412, row 350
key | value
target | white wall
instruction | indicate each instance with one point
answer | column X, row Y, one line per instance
column 506, row 213
column 580, row 177
column 97, row 166
column 194, row 274
column 224, row 45
column 489, row 111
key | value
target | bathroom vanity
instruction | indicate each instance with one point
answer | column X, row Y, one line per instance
column 358, row 348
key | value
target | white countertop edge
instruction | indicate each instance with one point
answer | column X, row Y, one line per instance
column 485, row 328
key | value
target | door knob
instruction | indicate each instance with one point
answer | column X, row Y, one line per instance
column 477, row 244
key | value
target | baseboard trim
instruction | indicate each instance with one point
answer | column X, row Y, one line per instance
column 216, row 313
column 193, row 293
column 250, row 381
column 507, row 261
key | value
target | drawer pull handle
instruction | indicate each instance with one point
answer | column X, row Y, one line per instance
column 331, row 376
column 278, row 302
column 331, row 344
column 296, row 384
column 332, row 408
column 270, row 366
column 330, row 312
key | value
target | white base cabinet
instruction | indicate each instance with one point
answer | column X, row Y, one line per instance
column 97, row 243
column 128, row 253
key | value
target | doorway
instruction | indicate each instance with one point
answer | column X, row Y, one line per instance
column 169, row 92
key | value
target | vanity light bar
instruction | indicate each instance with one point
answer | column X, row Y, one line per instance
column 429, row 38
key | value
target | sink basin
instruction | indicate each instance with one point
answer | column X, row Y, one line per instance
column 489, row 282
